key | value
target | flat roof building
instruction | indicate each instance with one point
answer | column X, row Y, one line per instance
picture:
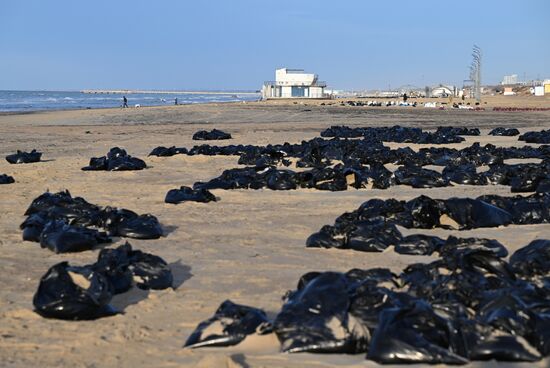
column 293, row 83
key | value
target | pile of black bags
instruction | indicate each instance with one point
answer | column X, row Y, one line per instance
column 372, row 227
column 116, row 160
column 64, row 223
column 468, row 305
column 84, row 292
column 22, row 157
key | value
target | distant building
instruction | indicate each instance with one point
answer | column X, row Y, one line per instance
column 443, row 91
column 293, row 83
column 509, row 79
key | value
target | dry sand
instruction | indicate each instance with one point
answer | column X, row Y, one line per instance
column 249, row 247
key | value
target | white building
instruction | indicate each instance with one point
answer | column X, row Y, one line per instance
column 293, row 83
column 509, row 79
column 443, row 91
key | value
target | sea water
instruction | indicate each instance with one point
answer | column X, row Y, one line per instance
column 22, row 101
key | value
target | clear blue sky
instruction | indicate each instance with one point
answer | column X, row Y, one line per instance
column 161, row 44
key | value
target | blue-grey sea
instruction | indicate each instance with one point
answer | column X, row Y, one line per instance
column 23, row 101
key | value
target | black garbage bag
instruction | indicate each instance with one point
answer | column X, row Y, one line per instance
column 532, row 260
column 33, row 225
column 114, row 264
column 503, row 348
column 419, row 244
column 327, row 237
column 504, row 131
column 73, row 293
column 22, row 157
column 230, row 325
column 452, row 245
column 457, row 131
column 122, row 222
column 61, row 237
column 184, row 194
column 214, row 134
column 6, row 179
column 372, row 236
column 162, row 151
column 536, row 137
column 315, row 319
column 150, row 271
column 417, row 177
column 280, row 180
column 473, row 213
column 464, row 174
column 425, row 212
column 415, row 334
column 117, row 159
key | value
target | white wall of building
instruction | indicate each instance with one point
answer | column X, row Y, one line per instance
column 294, row 77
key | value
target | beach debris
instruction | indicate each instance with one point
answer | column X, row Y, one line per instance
column 355, row 158
column 83, row 292
column 168, row 151
column 508, row 132
column 184, row 194
column 6, row 179
column 116, row 160
column 126, row 223
column 150, row 271
column 372, row 226
column 61, row 237
column 398, row 134
column 536, row 137
column 470, row 304
column 64, row 223
column 417, row 177
column 316, row 318
column 22, row 157
column 214, row 134
column 448, row 130
column 74, row 293
column 230, row 325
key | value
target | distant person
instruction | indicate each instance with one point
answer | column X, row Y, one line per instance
column 176, row 101
column 463, row 97
column 124, row 102
column 405, row 97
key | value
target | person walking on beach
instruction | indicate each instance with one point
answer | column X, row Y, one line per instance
column 124, row 101
column 176, row 101
column 405, row 97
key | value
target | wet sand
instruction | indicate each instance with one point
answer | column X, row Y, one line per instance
column 248, row 247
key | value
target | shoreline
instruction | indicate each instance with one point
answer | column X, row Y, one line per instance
column 488, row 102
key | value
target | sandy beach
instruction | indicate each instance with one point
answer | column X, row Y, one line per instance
column 249, row 247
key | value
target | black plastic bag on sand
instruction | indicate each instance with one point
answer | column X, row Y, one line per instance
column 419, row 244
column 168, row 151
column 184, row 194
column 6, row 179
column 73, row 293
column 116, row 160
column 316, row 319
column 122, row 222
column 150, row 271
column 62, row 238
column 504, row 132
column 24, row 157
column 473, row 213
column 230, row 325
column 327, row 237
column 415, row 334
column 533, row 259
column 114, row 264
column 372, row 236
column 214, row 134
